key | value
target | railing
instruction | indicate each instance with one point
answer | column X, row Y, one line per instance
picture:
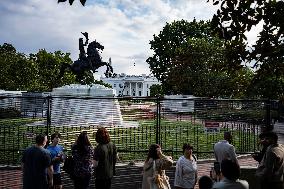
column 134, row 123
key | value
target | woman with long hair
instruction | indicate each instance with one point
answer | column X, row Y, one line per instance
column 154, row 168
column 105, row 157
column 82, row 152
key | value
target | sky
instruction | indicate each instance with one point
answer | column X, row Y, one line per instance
column 123, row 27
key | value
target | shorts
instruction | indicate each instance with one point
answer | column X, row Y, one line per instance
column 57, row 179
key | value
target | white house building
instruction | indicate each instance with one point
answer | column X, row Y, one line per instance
column 131, row 85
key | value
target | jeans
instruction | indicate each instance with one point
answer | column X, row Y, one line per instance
column 82, row 182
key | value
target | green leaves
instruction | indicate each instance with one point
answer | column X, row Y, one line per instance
column 71, row 1
column 83, row 2
column 268, row 49
column 216, row 3
column 36, row 72
column 188, row 59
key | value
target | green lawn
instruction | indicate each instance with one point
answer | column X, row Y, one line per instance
column 132, row 143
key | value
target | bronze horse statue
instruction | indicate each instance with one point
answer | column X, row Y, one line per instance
column 91, row 62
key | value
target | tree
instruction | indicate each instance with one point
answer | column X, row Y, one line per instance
column 167, row 44
column 234, row 19
column 17, row 71
column 156, row 90
column 47, row 67
column 188, row 59
column 37, row 72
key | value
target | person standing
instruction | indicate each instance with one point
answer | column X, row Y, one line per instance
column 105, row 157
column 231, row 173
column 271, row 168
column 57, row 157
column 156, row 162
column 263, row 144
column 186, row 169
column 82, row 152
column 36, row 165
column 224, row 149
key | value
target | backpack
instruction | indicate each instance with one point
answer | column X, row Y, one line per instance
column 68, row 166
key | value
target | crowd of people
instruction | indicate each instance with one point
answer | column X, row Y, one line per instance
column 41, row 164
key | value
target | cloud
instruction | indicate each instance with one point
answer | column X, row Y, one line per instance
column 124, row 27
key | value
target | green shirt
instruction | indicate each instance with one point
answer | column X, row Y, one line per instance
column 106, row 156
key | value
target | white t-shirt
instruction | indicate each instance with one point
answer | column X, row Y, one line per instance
column 185, row 172
column 224, row 150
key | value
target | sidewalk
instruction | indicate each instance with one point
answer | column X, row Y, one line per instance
column 128, row 177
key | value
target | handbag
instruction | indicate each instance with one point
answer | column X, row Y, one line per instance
column 159, row 181
column 68, row 166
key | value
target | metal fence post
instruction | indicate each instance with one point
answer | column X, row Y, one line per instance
column 158, row 121
column 268, row 116
column 48, row 118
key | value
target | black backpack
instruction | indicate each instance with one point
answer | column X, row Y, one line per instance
column 68, row 166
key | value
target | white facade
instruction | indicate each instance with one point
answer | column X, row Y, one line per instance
column 179, row 103
column 131, row 85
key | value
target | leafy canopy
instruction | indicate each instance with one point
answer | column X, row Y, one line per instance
column 231, row 22
column 37, row 72
column 188, row 59
column 71, row 1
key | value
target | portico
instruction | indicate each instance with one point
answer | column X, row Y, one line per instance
column 132, row 85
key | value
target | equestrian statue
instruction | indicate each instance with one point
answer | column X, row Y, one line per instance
column 87, row 62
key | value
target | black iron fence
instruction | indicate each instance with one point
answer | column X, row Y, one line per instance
column 134, row 123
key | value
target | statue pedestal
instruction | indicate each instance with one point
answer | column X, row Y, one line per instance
column 85, row 105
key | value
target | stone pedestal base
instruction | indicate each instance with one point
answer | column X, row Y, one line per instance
column 84, row 105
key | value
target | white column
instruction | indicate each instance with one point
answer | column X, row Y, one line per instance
column 143, row 92
column 136, row 91
column 123, row 89
column 130, row 92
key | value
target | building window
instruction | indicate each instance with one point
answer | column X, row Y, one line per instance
column 140, row 85
column 119, row 92
column 114, row 85
column 140, row 93
column 127, row 93
column 147, row 87
column 147, row 93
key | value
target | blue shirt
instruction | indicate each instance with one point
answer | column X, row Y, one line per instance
column 54, row 152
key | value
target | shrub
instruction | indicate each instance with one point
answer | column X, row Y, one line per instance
column 9, row 113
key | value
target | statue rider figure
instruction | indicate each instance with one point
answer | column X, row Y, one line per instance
column 82, row 55
column 89, row 60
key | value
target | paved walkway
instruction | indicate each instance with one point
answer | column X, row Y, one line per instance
column 129, row 177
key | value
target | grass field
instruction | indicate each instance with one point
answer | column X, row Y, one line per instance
column 132, row 142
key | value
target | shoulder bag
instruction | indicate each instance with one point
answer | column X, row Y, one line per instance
column 159, row 181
